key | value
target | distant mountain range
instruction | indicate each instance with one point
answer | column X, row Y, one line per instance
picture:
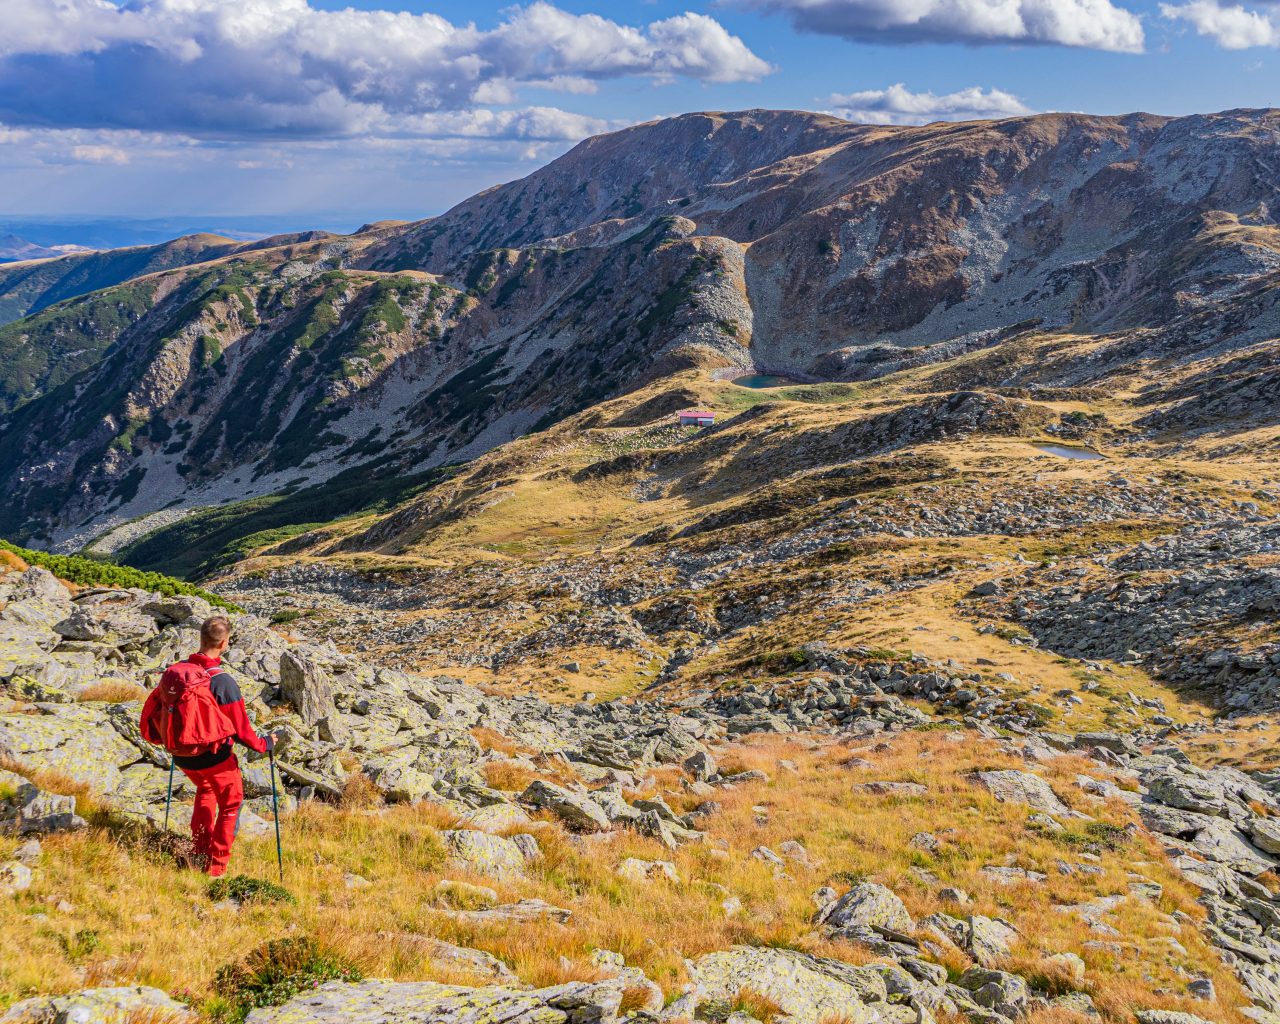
column 13, row 248
column 205, row 370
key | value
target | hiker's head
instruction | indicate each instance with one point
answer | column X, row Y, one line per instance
column 215, row 634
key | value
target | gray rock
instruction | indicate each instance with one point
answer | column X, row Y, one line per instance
column 99, row 1006
column 1011, row 786
column 867, row 906
column 27, row 810
column 806, row 988
column 15, row 877
column 1167, row 1017
column 425, row 1002
column 1265, row 833
column 574, row 809
column 306, row 686
column 484, row 853
column 1005, row 993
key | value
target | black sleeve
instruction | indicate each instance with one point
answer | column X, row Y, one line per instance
column 225, row 689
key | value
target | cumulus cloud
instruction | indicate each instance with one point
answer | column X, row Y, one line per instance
column 1097, row 24
column 100, row 154
column 1232, row 27
column 210, row 68
column 899, row 105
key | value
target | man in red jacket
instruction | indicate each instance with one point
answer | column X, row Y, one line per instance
column 216, row 774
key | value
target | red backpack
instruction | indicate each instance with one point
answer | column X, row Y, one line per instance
column 184, row 715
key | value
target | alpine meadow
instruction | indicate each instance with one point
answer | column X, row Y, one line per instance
column 752, row 566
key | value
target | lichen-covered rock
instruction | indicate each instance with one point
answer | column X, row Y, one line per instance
column 867, row 906
column 306, row 686
column 1005, row 993
column 425, row 1002
column 15, row 877
column 484, row 853
column 574, row 809
column 76, row 739
column 495, row 818
column 806, row 988
column 1012, row 786
column 27, row 810
column 99, row 1006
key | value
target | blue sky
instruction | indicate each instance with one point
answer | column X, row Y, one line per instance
column 334, row 113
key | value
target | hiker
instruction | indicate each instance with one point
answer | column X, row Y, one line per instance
column 197, row 714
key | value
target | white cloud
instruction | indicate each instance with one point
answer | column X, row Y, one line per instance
column 899, row 105
column 1096, row 24
column 216, row 68
column 100, row 154
column 1231, row 27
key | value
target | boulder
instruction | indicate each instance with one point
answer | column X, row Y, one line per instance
column 1012, row 786
column 483, row 853
column 1265, row 833
column 15, row 877
column 1005, row 993
column 27, row 810
column 495, row 818
column 1167, row 1017
column 576, row 810
column 75, row 739
column 636, row 870
column 702, row 766
column 99, row 1006
column 806, row 988
column 867, row 906
column 426, row 1002
column 306, row 686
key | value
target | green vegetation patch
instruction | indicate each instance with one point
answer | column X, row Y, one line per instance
column 91, row 572
column 274, row 973
column 210, row 539
column 244, row 889
column 737, row 399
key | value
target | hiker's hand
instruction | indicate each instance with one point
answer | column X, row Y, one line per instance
column 280, row 738
column 269, row 738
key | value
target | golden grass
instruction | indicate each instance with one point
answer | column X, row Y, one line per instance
column 112, row 693
column 155, row 925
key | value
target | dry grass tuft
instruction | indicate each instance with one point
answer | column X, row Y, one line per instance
column 112, row 693
column 360, row 792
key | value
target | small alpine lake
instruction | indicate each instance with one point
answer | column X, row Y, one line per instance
column 762, row 380
column 1066, row 451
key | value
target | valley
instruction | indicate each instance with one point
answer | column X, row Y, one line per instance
column 937, row 679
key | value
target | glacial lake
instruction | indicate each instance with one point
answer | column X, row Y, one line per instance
column 762, row 380
column 1066, row 451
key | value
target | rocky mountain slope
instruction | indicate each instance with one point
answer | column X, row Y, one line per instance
column 887, row 841
column 792, row 242
column 38, row 280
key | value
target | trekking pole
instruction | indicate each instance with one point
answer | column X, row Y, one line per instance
column 275, row 808
column 168, row 797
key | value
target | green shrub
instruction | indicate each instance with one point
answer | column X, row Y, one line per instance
column 91, row 572
column 244, row 889
column 80, row 944
column 274, row 973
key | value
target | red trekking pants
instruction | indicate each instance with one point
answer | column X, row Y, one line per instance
column 219, row 794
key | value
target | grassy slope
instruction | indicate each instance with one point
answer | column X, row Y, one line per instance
column 175, row 939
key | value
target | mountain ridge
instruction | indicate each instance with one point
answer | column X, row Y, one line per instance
column 792, row 242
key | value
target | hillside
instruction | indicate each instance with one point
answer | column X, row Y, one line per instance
column 31, row 285
column 789, row 242
column 937, row 680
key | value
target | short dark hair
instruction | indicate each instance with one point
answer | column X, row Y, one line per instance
column 214, row 630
